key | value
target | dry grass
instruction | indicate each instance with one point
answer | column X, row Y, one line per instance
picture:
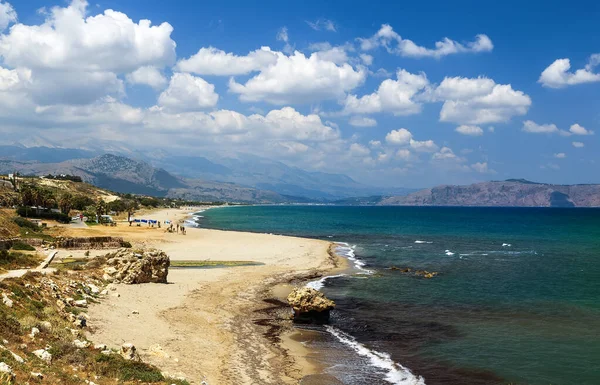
column 35, row 305
column 8, row 228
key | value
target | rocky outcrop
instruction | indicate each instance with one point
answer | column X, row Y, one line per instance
column 310, row 305
column 131, row 267
column 509, row 193
column 128, row 351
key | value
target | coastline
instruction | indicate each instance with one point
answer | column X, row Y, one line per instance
column 224, row 325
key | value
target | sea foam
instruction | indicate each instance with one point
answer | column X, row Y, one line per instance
column 394, row 372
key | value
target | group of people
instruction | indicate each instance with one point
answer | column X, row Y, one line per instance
column 176, row 228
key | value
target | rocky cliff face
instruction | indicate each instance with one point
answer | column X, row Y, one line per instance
column 506, row 193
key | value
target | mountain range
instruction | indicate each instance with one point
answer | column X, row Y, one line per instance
column 126, row 175
column 509, row 193
column 247, row 171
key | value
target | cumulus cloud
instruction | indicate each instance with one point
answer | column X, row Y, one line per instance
column 188, row 93
column 403, row 154
column 404, row 137
column 362, row 121
column 557, row 74
column 68, row 40
column 399, row 137
column 394, row 96
column 479, row 100
column 8, row 15
column 386, row 37
column 423, row 145
column 212, row 61
column 533, row 128
column 469, row 130
column 322, row 24
column 357, row 149
column 578, row 144
column 560, row 155
column 576, row 129
column 299, row 79
column 446, row 154
column 150, row 76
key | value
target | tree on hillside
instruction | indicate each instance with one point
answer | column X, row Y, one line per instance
column 65, row 202
column 100, row 209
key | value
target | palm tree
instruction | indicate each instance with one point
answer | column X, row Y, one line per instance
column 65, row 202
column 100, row 209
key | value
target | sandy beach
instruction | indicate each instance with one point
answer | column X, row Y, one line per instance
column 213, row 324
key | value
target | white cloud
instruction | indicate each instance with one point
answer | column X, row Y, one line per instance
column 150, row 76
column 578, row 144
column 287, row 122
column 366, row 59
column 188, row 93
column 557, row 74
column 479, row 101
column 299, row 79
column 327, row 52
column 560, row 155
column 362, row 121
column 8, row 15
column 394, row 96
column 322, row 24
column 576, row 129
column 374, row 143
column 534, row 128
column 398, row 137
column 446, row 154
column 469, row 130
column 359, row 150
column 282, row 35
column 395, row 44
column 68, row 40
column 403, row 154
column 423, row 145
column 482, row 167
column 212, row 61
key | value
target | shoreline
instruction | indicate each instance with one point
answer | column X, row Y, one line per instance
column 217, row 325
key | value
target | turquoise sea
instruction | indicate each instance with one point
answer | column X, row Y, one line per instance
column 517, row 298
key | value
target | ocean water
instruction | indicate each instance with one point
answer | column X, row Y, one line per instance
column 516, row 299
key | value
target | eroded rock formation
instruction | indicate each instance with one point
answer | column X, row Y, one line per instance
column 310, row 305
column 133, row 267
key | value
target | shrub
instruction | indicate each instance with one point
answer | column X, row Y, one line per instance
column 126, row 244
column 18, row 245
column 44, row 214
column 125, row 370
column 24, row 223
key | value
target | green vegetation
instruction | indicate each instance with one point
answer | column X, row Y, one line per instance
column 200, row 264
column 18, row 245
column 34, row 305
column 26, row 224
column 27, row 212
column 10, row 260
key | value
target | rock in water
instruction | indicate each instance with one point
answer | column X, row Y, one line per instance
column 125, row 266
column 310, row 305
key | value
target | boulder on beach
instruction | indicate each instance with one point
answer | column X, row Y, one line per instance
column 133, row 267
column 310, row 305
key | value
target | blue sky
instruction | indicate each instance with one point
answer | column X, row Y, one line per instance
column 503, row 79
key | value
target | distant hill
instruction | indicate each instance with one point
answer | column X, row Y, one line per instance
column 512, row 192
column 121, row 174
column 242, row 169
